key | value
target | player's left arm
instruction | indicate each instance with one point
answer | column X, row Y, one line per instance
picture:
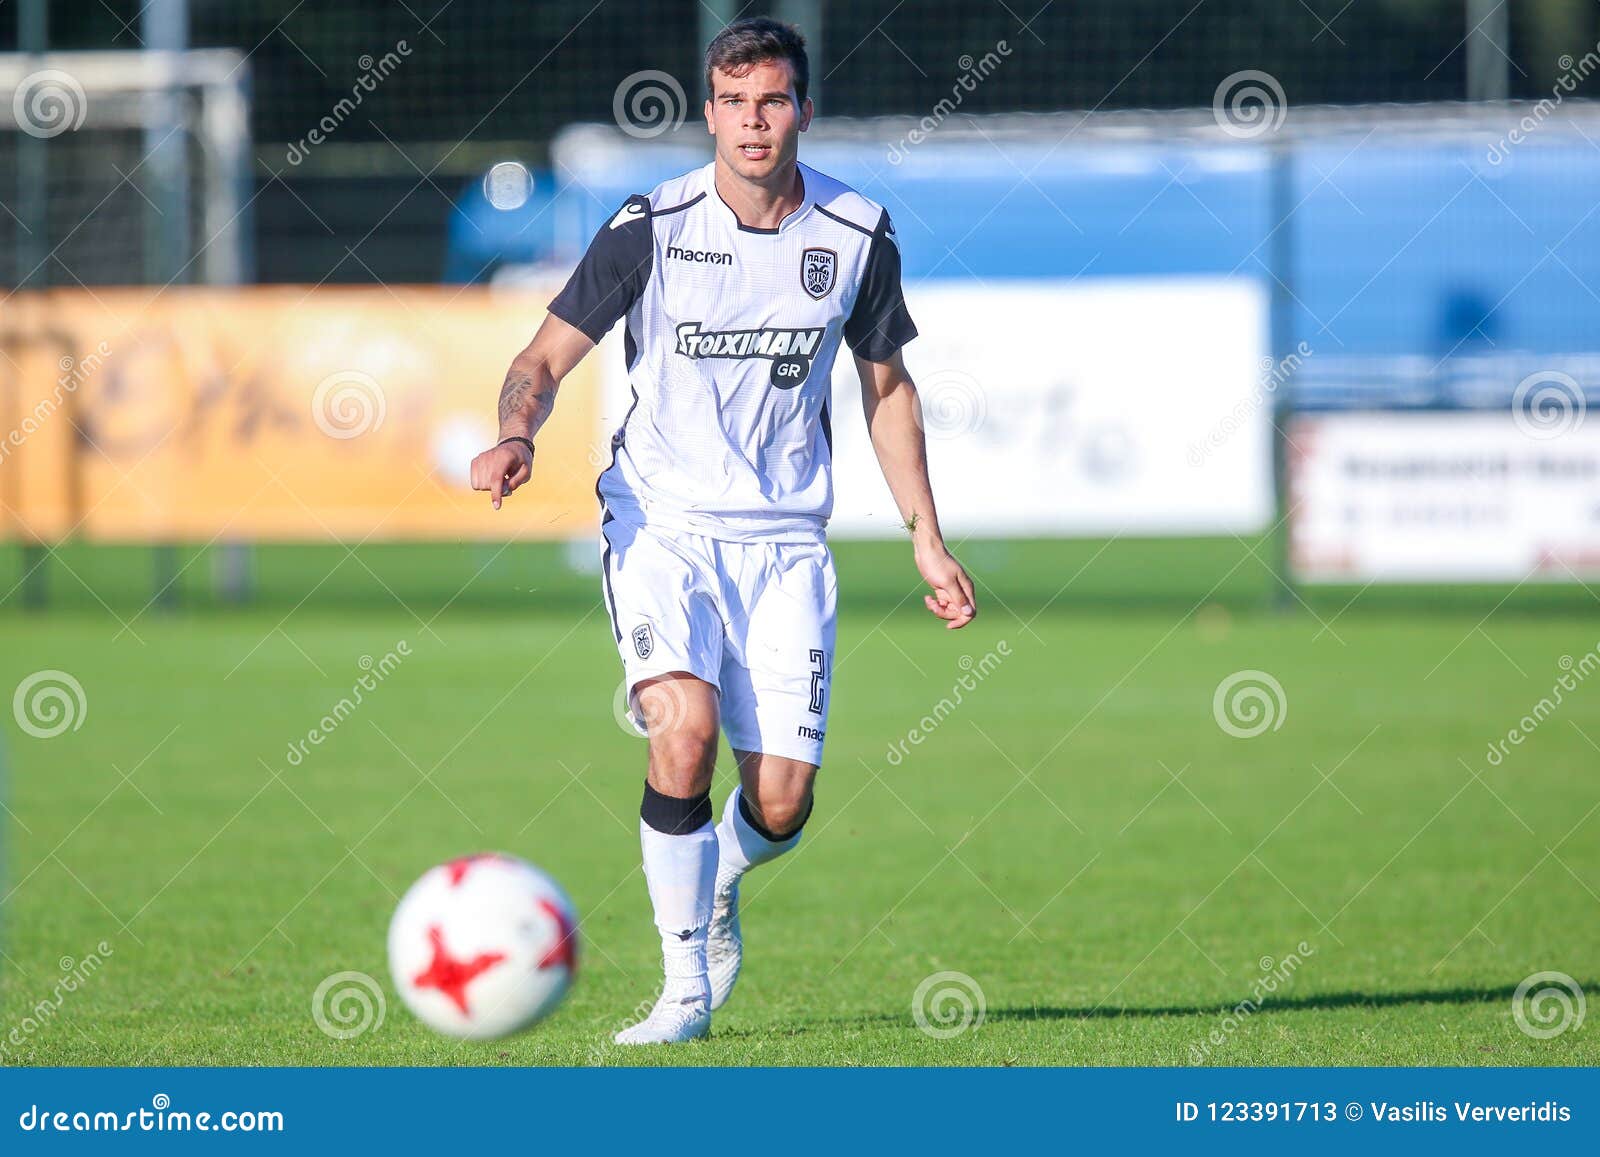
column 878, row 326
column 894, row 420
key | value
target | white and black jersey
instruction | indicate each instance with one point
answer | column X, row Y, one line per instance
column 730, row 342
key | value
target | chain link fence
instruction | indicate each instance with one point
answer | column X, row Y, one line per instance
column 486, row 70
column 371, row 120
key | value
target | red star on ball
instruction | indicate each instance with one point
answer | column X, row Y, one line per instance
column 451, row 975
column 565, row 950
column 458, row 868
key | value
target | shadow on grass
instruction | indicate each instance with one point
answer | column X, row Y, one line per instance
column 1308, row 1003
column 1311, row 1002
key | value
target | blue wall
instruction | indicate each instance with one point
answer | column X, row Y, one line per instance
column 1399, row 246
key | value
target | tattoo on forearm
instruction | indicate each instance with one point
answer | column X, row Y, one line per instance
column 521, row 400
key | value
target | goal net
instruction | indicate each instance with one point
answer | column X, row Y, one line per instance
column 124, row 168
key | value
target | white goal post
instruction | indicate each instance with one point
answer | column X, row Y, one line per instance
column 121, row 167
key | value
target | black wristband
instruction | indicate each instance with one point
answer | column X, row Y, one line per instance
column 518, row 438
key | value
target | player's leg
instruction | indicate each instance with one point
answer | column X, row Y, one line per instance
column 775, row 696
column 764, row 816
column 680, row 849
column 762, row 819
column 664, row 616
column 771, row 803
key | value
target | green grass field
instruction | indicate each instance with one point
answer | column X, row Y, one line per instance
column 1079, row 836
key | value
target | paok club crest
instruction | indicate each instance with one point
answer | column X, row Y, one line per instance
column 818, row 269
column 643, row 643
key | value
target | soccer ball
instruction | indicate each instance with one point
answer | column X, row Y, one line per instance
column 483, row 946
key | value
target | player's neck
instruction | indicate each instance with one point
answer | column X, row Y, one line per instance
column 760, row 206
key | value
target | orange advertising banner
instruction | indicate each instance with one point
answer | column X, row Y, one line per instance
column 277, row 413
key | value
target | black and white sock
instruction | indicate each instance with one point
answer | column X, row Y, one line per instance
column 743, row 844
column 680, row 865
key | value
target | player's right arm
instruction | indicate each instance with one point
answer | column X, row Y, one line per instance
column 602, row 289
column 526, row 399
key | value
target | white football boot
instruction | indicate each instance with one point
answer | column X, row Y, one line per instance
column 673, row 1020
column 683, row 1010
column 724, row 944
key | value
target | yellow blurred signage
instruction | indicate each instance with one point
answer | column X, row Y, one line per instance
column 276, row 413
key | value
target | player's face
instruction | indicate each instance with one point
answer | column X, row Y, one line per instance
column 757, row 120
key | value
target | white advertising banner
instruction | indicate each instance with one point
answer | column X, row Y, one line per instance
column 1098, row 407
column 1093, row 407
column 1444, row 496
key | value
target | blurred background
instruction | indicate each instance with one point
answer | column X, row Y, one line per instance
column 1258, row 340
column 1313, row 278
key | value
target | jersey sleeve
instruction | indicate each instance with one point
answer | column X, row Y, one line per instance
column 880, row 324
column 612, row 274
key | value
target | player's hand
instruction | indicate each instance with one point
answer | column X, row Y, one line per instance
column 501, row 469
column 952, row 599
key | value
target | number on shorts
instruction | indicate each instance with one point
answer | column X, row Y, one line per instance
column 819, row 672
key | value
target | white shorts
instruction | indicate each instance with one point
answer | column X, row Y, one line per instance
column 753, row 619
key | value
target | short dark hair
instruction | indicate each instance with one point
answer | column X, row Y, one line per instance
column 753, row 40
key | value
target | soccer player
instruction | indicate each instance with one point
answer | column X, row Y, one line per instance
column 737, row 282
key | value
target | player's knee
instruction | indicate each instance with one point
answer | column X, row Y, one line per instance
column 681, row 760
column 782, row 814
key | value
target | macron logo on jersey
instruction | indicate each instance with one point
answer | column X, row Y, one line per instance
column 790, row 350
column 707, row 256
